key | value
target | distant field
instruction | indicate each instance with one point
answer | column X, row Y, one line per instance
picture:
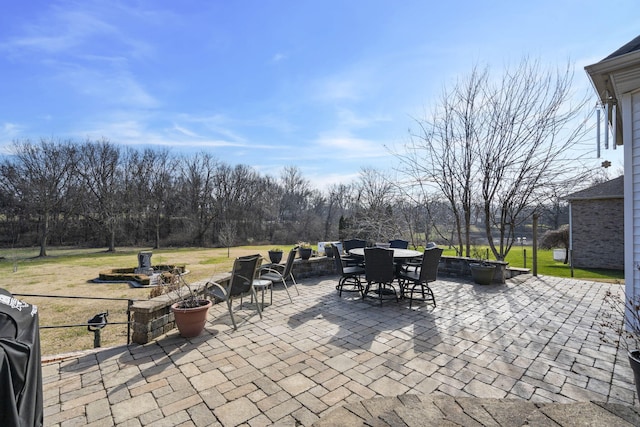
column 69, row 271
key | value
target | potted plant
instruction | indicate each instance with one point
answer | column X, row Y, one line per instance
column 275, row 255
column 304, row 249
column 620, row 324
column 482, row 272
column 328, row 250
column 189, row 309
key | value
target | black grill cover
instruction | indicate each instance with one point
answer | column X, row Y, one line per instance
column 20, row 363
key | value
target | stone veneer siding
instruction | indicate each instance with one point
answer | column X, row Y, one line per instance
column 598, row 233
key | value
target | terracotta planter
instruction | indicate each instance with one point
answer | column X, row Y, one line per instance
column 191, row 321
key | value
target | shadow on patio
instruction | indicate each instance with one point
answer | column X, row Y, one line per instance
column 532, row 340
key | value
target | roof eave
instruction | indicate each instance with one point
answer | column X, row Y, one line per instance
column 603, row 78
column 573, row 199
column 600, row 72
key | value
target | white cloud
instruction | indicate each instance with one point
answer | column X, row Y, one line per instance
column 350, row 147
column 185, row 131
column 350, row 119
column 278, row 57
column 67, row 30
column 337, row 89
column 10, row 128
column 8, row 133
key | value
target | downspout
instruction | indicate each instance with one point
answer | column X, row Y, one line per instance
column 570, row 239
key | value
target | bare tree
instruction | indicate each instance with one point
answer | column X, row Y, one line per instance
column 295, row 200
column 338, row 196
column 235, row 197
column 374, row 217
column 161, row 189
column 532, row 129
column 442, row 155
column 101, row 173
column 498, row 145
column 41, row 176
column 227, row 235
column 197, row 179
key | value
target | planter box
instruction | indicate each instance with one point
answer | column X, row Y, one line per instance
column 559, row 255
column 482, row 274
column 321, row 246
column 459, row 266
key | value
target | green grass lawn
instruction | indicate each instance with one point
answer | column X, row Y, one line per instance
column 69, row 271
column 98, row 258
column 548, row 267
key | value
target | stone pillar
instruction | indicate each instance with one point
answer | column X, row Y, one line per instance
column 144, row 263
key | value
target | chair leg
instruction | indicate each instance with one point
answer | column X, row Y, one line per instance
column 293, row 279
column 353, row 281
column 233, row 320
column 425, row 291
column 284, row 282
column 411, row 295
column 433, row 297
column 253, row 294
column 366, row 290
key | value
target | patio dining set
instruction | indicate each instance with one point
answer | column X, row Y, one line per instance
column 384, row 271
column 385, row 265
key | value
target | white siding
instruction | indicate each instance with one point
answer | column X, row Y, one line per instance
column 631, row 137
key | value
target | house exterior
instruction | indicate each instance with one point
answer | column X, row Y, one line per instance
column 597, row 226
column 616, row 80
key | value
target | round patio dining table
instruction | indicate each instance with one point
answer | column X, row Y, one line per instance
column 399, row 255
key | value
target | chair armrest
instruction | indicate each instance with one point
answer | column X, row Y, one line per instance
column 216, row 291
column 413, row 263
column 264, row 269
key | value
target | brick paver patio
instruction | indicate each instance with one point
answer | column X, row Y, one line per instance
column 533, row 341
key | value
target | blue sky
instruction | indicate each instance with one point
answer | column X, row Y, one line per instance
column 324, row 85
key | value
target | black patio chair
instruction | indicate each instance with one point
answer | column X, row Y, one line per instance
column 398, row 244
column 349, row 276
column 412, row 282
column 278, row 273
column 417, row 262
column 350, row 260
column 379, row 271
column 353, row 244
column 240, row 284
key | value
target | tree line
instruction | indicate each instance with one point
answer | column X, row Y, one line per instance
column 97, row 193
column 494, row 152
